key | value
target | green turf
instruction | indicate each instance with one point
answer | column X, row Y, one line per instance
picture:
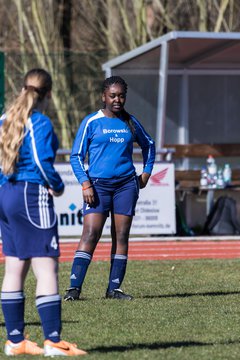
column 182, row 310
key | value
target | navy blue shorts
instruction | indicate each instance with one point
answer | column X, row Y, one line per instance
column 118, row 196
column 28, row 221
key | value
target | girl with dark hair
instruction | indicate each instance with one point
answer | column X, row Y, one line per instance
column 110, row 185
column 28, row 222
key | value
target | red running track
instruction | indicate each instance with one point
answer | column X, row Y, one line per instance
column 161, row 250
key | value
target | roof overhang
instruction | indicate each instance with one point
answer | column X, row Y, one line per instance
column 186, row 50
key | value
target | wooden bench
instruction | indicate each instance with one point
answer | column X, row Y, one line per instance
column 188, row 181
column 190, row 178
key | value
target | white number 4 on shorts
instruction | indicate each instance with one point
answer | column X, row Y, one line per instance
column 54, row 243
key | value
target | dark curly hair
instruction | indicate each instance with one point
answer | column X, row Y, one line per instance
column 112, row 80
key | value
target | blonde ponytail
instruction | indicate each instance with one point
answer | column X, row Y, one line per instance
column 12, row 131
column 37, row 83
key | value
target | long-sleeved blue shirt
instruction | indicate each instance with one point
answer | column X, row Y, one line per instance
column 108, row 142
column 37, row 154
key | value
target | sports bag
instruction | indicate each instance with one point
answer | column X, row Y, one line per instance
column 222, row 219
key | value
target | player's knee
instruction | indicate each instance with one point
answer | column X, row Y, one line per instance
column 122, row 236
column 91, row 236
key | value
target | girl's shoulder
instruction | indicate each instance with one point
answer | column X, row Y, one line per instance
column 136, row 123
column 36, row 115
column 90, row 118
column 39, row 120
column 133, row 118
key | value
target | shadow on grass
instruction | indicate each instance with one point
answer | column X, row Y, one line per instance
column 39, row 324
column 159, row 345
column 214, row 293
column 27, row 324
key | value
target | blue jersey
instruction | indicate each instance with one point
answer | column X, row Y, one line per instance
column 37, row 154
column 108, row 142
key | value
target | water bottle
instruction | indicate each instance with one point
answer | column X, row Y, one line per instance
column 220, row 179
column 227, row 174
column 211, row 165
column 212, row 171
column 204, row 178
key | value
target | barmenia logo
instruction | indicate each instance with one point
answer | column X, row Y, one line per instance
column 157, row 178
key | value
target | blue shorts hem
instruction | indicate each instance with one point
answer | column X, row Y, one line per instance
column 26, row 257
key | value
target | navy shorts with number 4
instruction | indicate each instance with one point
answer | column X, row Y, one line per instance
column 118, row 196
column 28, row 221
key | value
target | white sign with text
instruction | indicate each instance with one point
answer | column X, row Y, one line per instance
column 155, row 211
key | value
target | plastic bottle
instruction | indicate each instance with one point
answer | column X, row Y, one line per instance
column 227, row 174
column 204, row 178
column 211, row 165
column 212, row 171
column 220, row 180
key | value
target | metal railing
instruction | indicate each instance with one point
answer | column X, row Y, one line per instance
column 163, row 154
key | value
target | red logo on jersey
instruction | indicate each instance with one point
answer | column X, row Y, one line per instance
column 157, row 178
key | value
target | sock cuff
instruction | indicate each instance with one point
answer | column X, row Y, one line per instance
column 47, row 299
column 12, row 295
column 82, row 255
column 119, row 257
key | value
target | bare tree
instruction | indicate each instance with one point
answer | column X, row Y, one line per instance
column 40, row 34
column 115, row 26
column 72, row 38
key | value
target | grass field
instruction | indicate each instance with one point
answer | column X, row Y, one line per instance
column 182, row 310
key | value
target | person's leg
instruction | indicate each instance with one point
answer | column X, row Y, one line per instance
column 12, row 297
column 92, row 230
column 17, row 236
column 48, row 300
column 122, row 215
column 113, row 235
column 48, row 303
column 119, row 254
column 15, row 274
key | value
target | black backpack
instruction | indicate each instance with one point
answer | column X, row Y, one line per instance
column 222, row 219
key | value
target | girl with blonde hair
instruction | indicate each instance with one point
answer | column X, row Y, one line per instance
column 28, row 221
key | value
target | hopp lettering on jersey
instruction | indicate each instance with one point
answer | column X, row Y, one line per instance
column 116, row 139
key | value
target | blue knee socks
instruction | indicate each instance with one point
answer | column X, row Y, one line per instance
column 13, row 312
column 117, row 271
column 80, row 265
column 49, row 310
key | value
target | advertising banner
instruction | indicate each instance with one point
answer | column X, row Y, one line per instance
column 155, row 211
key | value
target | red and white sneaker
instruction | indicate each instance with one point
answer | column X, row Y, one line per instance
column 23, row 347
column 62, row 348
